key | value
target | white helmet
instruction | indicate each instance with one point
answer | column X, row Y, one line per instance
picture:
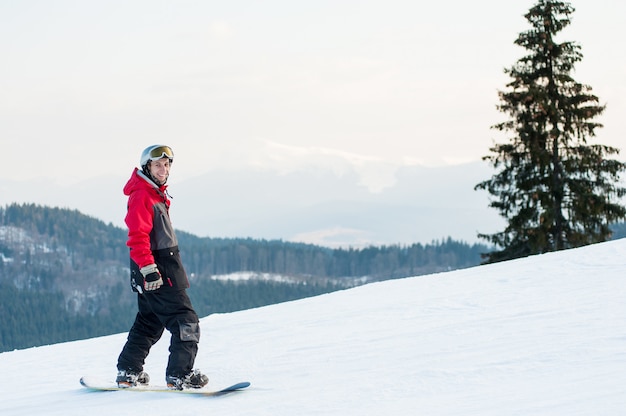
column 155, row 152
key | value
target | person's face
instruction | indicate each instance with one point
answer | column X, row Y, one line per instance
column 160, row 170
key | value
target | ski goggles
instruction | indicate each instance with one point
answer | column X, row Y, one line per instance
column 161, row 152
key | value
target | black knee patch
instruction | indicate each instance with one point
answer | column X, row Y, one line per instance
column 189, row 331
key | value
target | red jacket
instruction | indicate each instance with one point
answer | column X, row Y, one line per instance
column 151, row 237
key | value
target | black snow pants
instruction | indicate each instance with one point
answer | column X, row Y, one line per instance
column 163, row 309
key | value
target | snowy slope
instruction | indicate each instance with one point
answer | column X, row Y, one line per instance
column 545, row 335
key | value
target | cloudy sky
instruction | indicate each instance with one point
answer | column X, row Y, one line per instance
column 275, row 84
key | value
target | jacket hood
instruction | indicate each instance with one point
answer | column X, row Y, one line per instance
column 138, row 180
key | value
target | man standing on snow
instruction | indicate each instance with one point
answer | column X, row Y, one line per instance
column 158, row 276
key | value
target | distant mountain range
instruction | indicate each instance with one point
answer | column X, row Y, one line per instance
column 315, row 206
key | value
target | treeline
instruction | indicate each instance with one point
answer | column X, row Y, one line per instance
column 209, row 256
column 79, row 241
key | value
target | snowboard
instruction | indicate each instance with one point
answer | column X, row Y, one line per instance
column 96, row 385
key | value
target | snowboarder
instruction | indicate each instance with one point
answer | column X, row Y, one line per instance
column 158, row 276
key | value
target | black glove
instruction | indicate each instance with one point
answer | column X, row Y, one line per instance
column 152, row 279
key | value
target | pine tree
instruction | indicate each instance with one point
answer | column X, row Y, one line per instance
column 555, row 190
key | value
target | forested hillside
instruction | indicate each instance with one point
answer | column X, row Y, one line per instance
column 64, row 275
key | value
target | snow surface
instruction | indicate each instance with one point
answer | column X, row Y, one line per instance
column 544, row 335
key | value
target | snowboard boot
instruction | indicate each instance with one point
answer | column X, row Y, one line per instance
column 131, row 379
column 193, row 380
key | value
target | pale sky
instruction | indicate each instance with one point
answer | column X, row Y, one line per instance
column 86, row 85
